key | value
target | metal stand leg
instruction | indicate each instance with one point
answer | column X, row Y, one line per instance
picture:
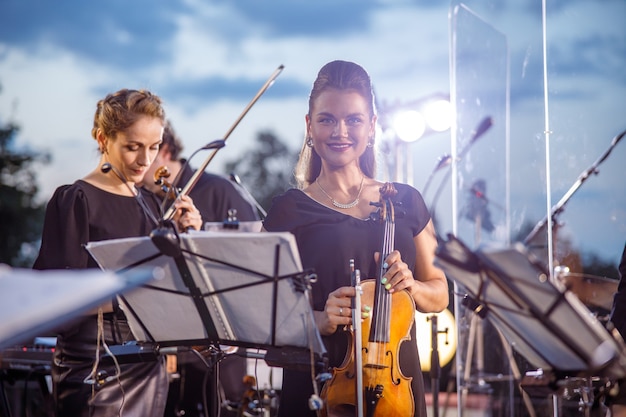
column 4, row 403
column 435, row 366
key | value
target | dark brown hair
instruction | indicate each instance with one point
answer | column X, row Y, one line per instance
column 172, row 141
column 339, row 75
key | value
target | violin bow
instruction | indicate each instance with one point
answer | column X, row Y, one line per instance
column 194, row 179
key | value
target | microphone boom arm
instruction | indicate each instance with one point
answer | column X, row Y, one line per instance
column 483, row 127
column 558, row 207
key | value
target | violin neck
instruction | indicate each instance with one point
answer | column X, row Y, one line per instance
column 380, row 327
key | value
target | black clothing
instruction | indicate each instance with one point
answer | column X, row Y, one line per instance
column 214, row 195
column 75, row 215
column 618, row 318
column 81, row 213
column 618, row 314
column 327, row 239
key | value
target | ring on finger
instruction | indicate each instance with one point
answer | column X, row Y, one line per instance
column 341, row 311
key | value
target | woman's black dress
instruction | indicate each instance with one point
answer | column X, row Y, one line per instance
column 327, row 240
column 77, row 214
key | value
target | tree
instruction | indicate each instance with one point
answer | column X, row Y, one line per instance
column 21, row 218
column 267, row 170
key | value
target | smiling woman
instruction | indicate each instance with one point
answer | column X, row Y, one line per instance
column 334, row 222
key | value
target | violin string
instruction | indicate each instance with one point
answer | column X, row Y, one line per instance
column 381, row 305
column 387, row 296
column 389, row 243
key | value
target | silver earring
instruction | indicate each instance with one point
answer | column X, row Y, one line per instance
column 370, row 143
column 309, row 142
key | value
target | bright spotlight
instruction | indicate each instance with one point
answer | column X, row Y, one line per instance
column 409, row 125
column 438, row 115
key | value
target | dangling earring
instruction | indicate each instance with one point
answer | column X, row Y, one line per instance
column 370, row 143
column 309, row 142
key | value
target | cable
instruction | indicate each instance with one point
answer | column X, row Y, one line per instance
column 107, row 167
column 98, row 379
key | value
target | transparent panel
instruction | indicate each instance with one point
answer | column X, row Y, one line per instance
column 494, row 175
column 586, row 89
column 552, row 163
column 480, row 189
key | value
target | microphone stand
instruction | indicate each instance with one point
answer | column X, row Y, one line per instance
column 558, row 207
column 435, row 366
column 194, row 179
column 484, row 125
column 234, row 177
column 443, row 161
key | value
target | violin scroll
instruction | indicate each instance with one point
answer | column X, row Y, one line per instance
column 388, row 191
column 160, row 178
column 385, row 210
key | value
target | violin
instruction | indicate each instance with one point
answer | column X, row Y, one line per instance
column 160, row 178
column 379, row 384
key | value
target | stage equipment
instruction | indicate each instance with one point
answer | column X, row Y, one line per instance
column 220, row 288
column 595, row 292
column 542, row 321
column 442, row 328
column 232, row 224
column 236, row 289
column 34, row 302
column 534, row 241
column 234, row 177
column 482, row 128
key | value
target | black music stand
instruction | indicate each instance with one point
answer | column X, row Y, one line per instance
column 544, row 322
column 234, row 226
column 219, row 288
column 236, row 289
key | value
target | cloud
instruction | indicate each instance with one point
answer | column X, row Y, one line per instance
column 208, row 59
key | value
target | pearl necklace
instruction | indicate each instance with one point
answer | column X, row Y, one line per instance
column 341, row 205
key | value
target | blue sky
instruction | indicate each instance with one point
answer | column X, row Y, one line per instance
column 207, row 59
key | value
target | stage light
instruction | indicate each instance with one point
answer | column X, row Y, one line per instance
column 438, row 115
column 402, row 123
column 409, row 125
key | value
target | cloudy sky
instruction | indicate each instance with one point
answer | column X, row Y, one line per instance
column 207, row 59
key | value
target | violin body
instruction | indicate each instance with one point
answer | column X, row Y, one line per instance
column 387, row 392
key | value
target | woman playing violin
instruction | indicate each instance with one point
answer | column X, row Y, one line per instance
column 106, row 204
column 330, row 215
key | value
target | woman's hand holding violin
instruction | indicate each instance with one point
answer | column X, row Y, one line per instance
column 338, row 311
column 398, row 276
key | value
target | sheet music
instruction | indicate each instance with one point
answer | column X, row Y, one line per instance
column 549, row 326
column 33, row 302
column 218, row 261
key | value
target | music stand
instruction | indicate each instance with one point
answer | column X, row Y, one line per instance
column 237, row 289
column 34, row 302
column 545, row 323
column 236, row 226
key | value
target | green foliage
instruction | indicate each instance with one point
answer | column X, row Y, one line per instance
column 266, row 170
column 21, row 218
